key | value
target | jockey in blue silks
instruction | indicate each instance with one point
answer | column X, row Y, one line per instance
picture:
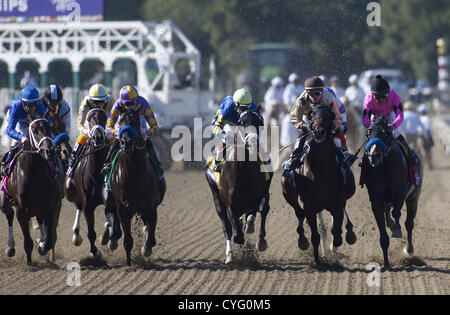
column 29, row 103
column 229, row 112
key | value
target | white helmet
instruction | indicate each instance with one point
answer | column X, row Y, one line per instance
column 423, row 108
column 277, row 81
column 353, row 79
column 293, row 76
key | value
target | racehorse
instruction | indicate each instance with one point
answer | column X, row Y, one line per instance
column 86, row 186
column 134, row 184
column 321, row 184
column 385, row 172
column 34, row 189
column 244, row 187
column 61, row 139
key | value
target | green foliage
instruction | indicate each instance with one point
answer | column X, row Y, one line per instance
column 335, row 32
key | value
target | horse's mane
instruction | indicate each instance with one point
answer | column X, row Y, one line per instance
column 129, row 118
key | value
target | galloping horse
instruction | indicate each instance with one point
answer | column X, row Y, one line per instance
column 85, row 188
column 35, row 190
column 134, row 184
column 244, row 186
column 61, row 139
column 385, row 173
column 320, row 184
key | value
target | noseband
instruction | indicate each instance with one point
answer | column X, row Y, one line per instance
column 34, row 142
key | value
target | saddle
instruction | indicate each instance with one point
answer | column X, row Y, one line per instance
column 214, row 172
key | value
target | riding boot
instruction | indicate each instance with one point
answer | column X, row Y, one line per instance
column 7, row 160
column 108, row 162
column 161, row 181
column 296, row 158
column 73, row 160
column 410, row 159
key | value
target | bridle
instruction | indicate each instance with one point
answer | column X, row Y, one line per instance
column 37, row 144
column 96, row 127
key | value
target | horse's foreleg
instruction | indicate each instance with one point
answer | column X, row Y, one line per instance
column 378, row 211
column 24, row 224
column 336, row 230
column 411, row 209
column 9, row 213
column 238, row 235
column 264, row 210
column 109, row 221
column 396, row 213
column 350, row 236
column 315, row 236
column 77, row 239
column 150, row 220
column 292, row 199
column 125, row 220
column 90, row 221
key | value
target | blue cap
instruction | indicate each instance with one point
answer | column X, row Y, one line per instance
column 30, row 94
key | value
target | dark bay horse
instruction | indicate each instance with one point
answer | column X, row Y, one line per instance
column 244, row 187
column 86, row 186
column 320, row 185
column 35, row 190
column 134, row 184
column 61, row 139
column 385, row 172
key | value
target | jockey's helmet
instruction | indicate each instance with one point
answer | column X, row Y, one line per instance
column 30, row 95
column 242, row 97
column 129, row 94
column 314, row 83
column 53, row 93
column 98, row 92
column 380, row 86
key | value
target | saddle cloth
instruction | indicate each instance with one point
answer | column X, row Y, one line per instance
column 210, row 164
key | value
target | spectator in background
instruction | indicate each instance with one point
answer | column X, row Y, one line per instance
column 273, row 99
column 426, row 133
column 28, row 80
column 334, row 84
column 355, row 94
column 411, row 125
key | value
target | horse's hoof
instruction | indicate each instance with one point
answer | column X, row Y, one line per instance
column 303, row 243
column 408, row 250
column 250, row 226
column 113, row 245
column 350, row 238
column 239, row 239
column 229, row 259
column 77, row 240
column 104, row 238
column 96, row 253
column 397, row 231
column 146, row 252
column 261, row 245
column 10, row 252
column 42, row 251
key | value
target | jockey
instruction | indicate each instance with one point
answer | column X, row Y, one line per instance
column 314, row 95
column 384, row 101
column 20, row 108
column 98, row 98
column 131, row 100
column 344, row 126
column 54, row 101
column 228, row 114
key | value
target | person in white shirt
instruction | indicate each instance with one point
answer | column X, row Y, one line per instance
column 411, row 125
column 354, row 93
column 273, row 101
column 334, row 84
column 426, row 133
column 288, row 132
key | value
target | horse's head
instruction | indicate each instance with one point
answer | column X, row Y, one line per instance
column 129, row 123
column 41, row 138
column 251, row 122
column 97, row 121
column 379, row 136
column 322, row 123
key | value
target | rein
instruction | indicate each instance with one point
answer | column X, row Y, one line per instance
column 98, row 149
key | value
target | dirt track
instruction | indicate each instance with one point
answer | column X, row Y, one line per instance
column 189, row 257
